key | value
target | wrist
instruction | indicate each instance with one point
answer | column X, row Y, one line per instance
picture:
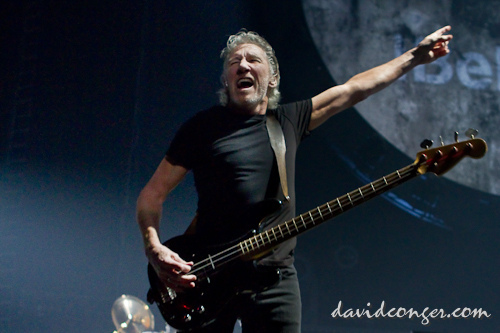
column 151, row 241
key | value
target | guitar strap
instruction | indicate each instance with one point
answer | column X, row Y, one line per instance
column 278, row 144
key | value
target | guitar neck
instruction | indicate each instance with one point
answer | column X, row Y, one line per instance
column 264, row 241
column 436, row 160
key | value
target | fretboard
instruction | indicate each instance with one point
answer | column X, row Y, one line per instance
column 265, row 240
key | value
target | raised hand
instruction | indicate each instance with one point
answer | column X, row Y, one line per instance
column 434, row 46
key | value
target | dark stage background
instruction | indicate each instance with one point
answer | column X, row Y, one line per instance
column 97, row 90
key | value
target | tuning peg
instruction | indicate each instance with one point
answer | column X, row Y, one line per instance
column 456, row 136
column 426, row 144
column 471, row 133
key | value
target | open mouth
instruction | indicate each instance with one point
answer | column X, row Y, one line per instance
column 244, row 83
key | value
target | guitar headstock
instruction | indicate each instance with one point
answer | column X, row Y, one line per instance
column 441, row 159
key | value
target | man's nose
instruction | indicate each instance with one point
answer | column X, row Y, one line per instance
column 244, row 66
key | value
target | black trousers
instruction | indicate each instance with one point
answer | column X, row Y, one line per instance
column 275, row 310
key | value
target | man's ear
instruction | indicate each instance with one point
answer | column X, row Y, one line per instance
column 273, row 83
column 223, row 80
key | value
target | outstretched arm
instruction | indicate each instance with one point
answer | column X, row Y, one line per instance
column 362, row 85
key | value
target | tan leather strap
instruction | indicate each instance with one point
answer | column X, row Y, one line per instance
column 278, row 144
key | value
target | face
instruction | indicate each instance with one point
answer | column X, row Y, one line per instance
column 248, row 76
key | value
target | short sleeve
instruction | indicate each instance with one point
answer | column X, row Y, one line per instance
column 298, row 114
column 184, row 148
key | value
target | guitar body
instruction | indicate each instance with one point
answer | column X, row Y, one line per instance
column 216, row 284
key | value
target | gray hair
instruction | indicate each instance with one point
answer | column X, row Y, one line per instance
column 251, row 37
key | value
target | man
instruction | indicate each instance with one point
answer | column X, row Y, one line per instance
column 227, row 148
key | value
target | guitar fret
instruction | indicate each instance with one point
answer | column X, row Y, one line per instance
column 242, row 248
column 295, row 225
column 287, row 228
column 385, row 180
column 281, row 232
column 304, row 222
column 320, row 214
column 360, row 192
column 340, row 205
column 261, row 239
column 329, row 208
column 274, row 234
column 211, row 261
column 267, row 234
column 397, row 171
column 373, row 188
column 350, row 199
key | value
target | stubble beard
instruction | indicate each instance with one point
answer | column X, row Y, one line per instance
column 251, row 101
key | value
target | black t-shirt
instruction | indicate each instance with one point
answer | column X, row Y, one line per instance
column 234, row 169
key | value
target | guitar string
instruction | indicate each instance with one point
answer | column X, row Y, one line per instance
column 382, row 184
column 375, row 187
column 388, row 182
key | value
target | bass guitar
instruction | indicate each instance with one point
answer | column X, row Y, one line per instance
column 222, row 270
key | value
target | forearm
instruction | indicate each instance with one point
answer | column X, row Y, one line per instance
column 429, row 49
column 371, row 81
column 150, row 202
column 148, row 214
